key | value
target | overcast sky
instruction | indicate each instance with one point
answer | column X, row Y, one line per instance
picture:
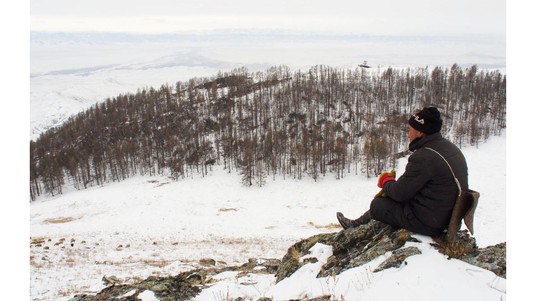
column 391, row 17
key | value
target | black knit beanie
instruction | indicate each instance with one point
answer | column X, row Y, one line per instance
column 428, row 120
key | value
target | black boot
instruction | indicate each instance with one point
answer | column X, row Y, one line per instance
column 348, row 223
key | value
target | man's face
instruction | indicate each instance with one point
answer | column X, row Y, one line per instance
column 413, row 133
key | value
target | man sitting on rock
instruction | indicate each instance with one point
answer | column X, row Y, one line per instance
column 422, row 199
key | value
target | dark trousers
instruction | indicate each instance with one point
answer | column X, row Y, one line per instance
column 396, row 214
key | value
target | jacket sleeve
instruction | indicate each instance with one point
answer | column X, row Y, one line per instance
column 418, row 172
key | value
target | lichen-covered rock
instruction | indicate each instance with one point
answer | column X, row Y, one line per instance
column 492, row 258
column 464, row 244
column 357, row 246
column 341, row 242
column 259, row 266
column 165, row 288
column 397, row 258
column 181, row 287
column 291, row 261
column 351, row 248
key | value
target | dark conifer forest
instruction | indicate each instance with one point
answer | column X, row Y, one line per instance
column 265, row 124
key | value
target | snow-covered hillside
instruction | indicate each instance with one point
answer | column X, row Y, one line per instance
column 72, row 71
column 155, row 226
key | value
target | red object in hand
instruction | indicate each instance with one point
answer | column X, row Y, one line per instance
column 384, row 178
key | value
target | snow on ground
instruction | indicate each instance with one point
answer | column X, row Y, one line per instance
column 429, row 276
column 147, row 226
column 55, row 97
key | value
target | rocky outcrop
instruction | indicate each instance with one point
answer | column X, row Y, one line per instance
column 492, row 258
column 356, row 246
column 181, row 287
column 351, row 248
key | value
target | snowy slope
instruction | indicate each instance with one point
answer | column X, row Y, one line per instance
column 72, row 71
column 58, row 94
column 154, row 226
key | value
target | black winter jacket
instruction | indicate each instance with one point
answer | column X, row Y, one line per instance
column 427, row 187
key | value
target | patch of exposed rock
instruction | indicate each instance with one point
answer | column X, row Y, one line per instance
column 184, row 286
column 356, row 246
column 181, row 287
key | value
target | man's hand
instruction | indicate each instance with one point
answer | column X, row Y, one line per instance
column 386, row 177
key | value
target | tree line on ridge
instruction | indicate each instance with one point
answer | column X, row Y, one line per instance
column 263, row 124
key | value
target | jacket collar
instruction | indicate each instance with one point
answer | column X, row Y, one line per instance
column 421, row 142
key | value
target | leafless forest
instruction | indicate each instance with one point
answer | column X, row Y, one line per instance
column 266, row 124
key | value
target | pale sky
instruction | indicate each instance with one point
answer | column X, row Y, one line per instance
column 386, row 17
